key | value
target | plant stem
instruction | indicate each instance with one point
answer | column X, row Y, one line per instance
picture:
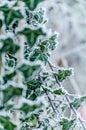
column 52, row 105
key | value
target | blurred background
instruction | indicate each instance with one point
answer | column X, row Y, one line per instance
column 68, row 18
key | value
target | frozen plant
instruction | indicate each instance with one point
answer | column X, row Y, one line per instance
column 31, row 94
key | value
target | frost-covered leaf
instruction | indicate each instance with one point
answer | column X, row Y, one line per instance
column 39, row 55
column 36, row 54
column 32, row 35
column 7, row 124
column 9, row 77
column 63, row 74
column 78, row 101
column 67, row 124
column 33, row 84
column 31, row 87
column 34, row 119
column 29, row 71
column 59, row 92
column 32, row 97
column 26, row 108
column 10, row 14
column 52, row 42
column 10, row 61
column 9, row 46
column 11, row 92
column 36, row 18
column 32, row 3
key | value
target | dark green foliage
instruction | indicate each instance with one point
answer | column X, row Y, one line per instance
column 26, row 108
column 10, row 14
column 67, row 124
column 35, row 18
column 10, row 61
column 33, row 88
column 6, row 123
column 59, row 92
column 63, row 74
column 33, row 120
column 11, row 92
column 39, row 55
column 32, row 3
column 1, row 23
column 29, row 71
column 52, row 42
column 27, row 51
column 78, row 101
column 32, row 97
column 9, row 46
column 15, row 25
column 49, row 43
column 9, row 77
column 36, row 54
column 34, row 84
column 32, row 35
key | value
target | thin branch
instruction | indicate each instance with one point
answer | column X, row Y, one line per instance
column 53, row 106
column 68, row 99
column 55, row 110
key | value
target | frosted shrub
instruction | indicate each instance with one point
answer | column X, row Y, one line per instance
column 31, row 94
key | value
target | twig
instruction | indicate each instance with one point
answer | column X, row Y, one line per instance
column 52, row 103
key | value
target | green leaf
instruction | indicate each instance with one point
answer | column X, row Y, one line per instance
column 34, row 84
column 10, row 14
column 9, row 107
column 32, row 35
column 34, row 120
column 1, row 23
column 9, row 46
column 26, row 108
column 10, row 61
column 35, row 55
column 67, row 124
column 33, row 97
column 78, row 101
column 8, row 77
column 11, row 92
column 52, row 42
column 43, row 48
column 39, row 55
column 7, row 124
column 29, row 71
column 32, row 3
column 59, row 92
column 63, row 74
